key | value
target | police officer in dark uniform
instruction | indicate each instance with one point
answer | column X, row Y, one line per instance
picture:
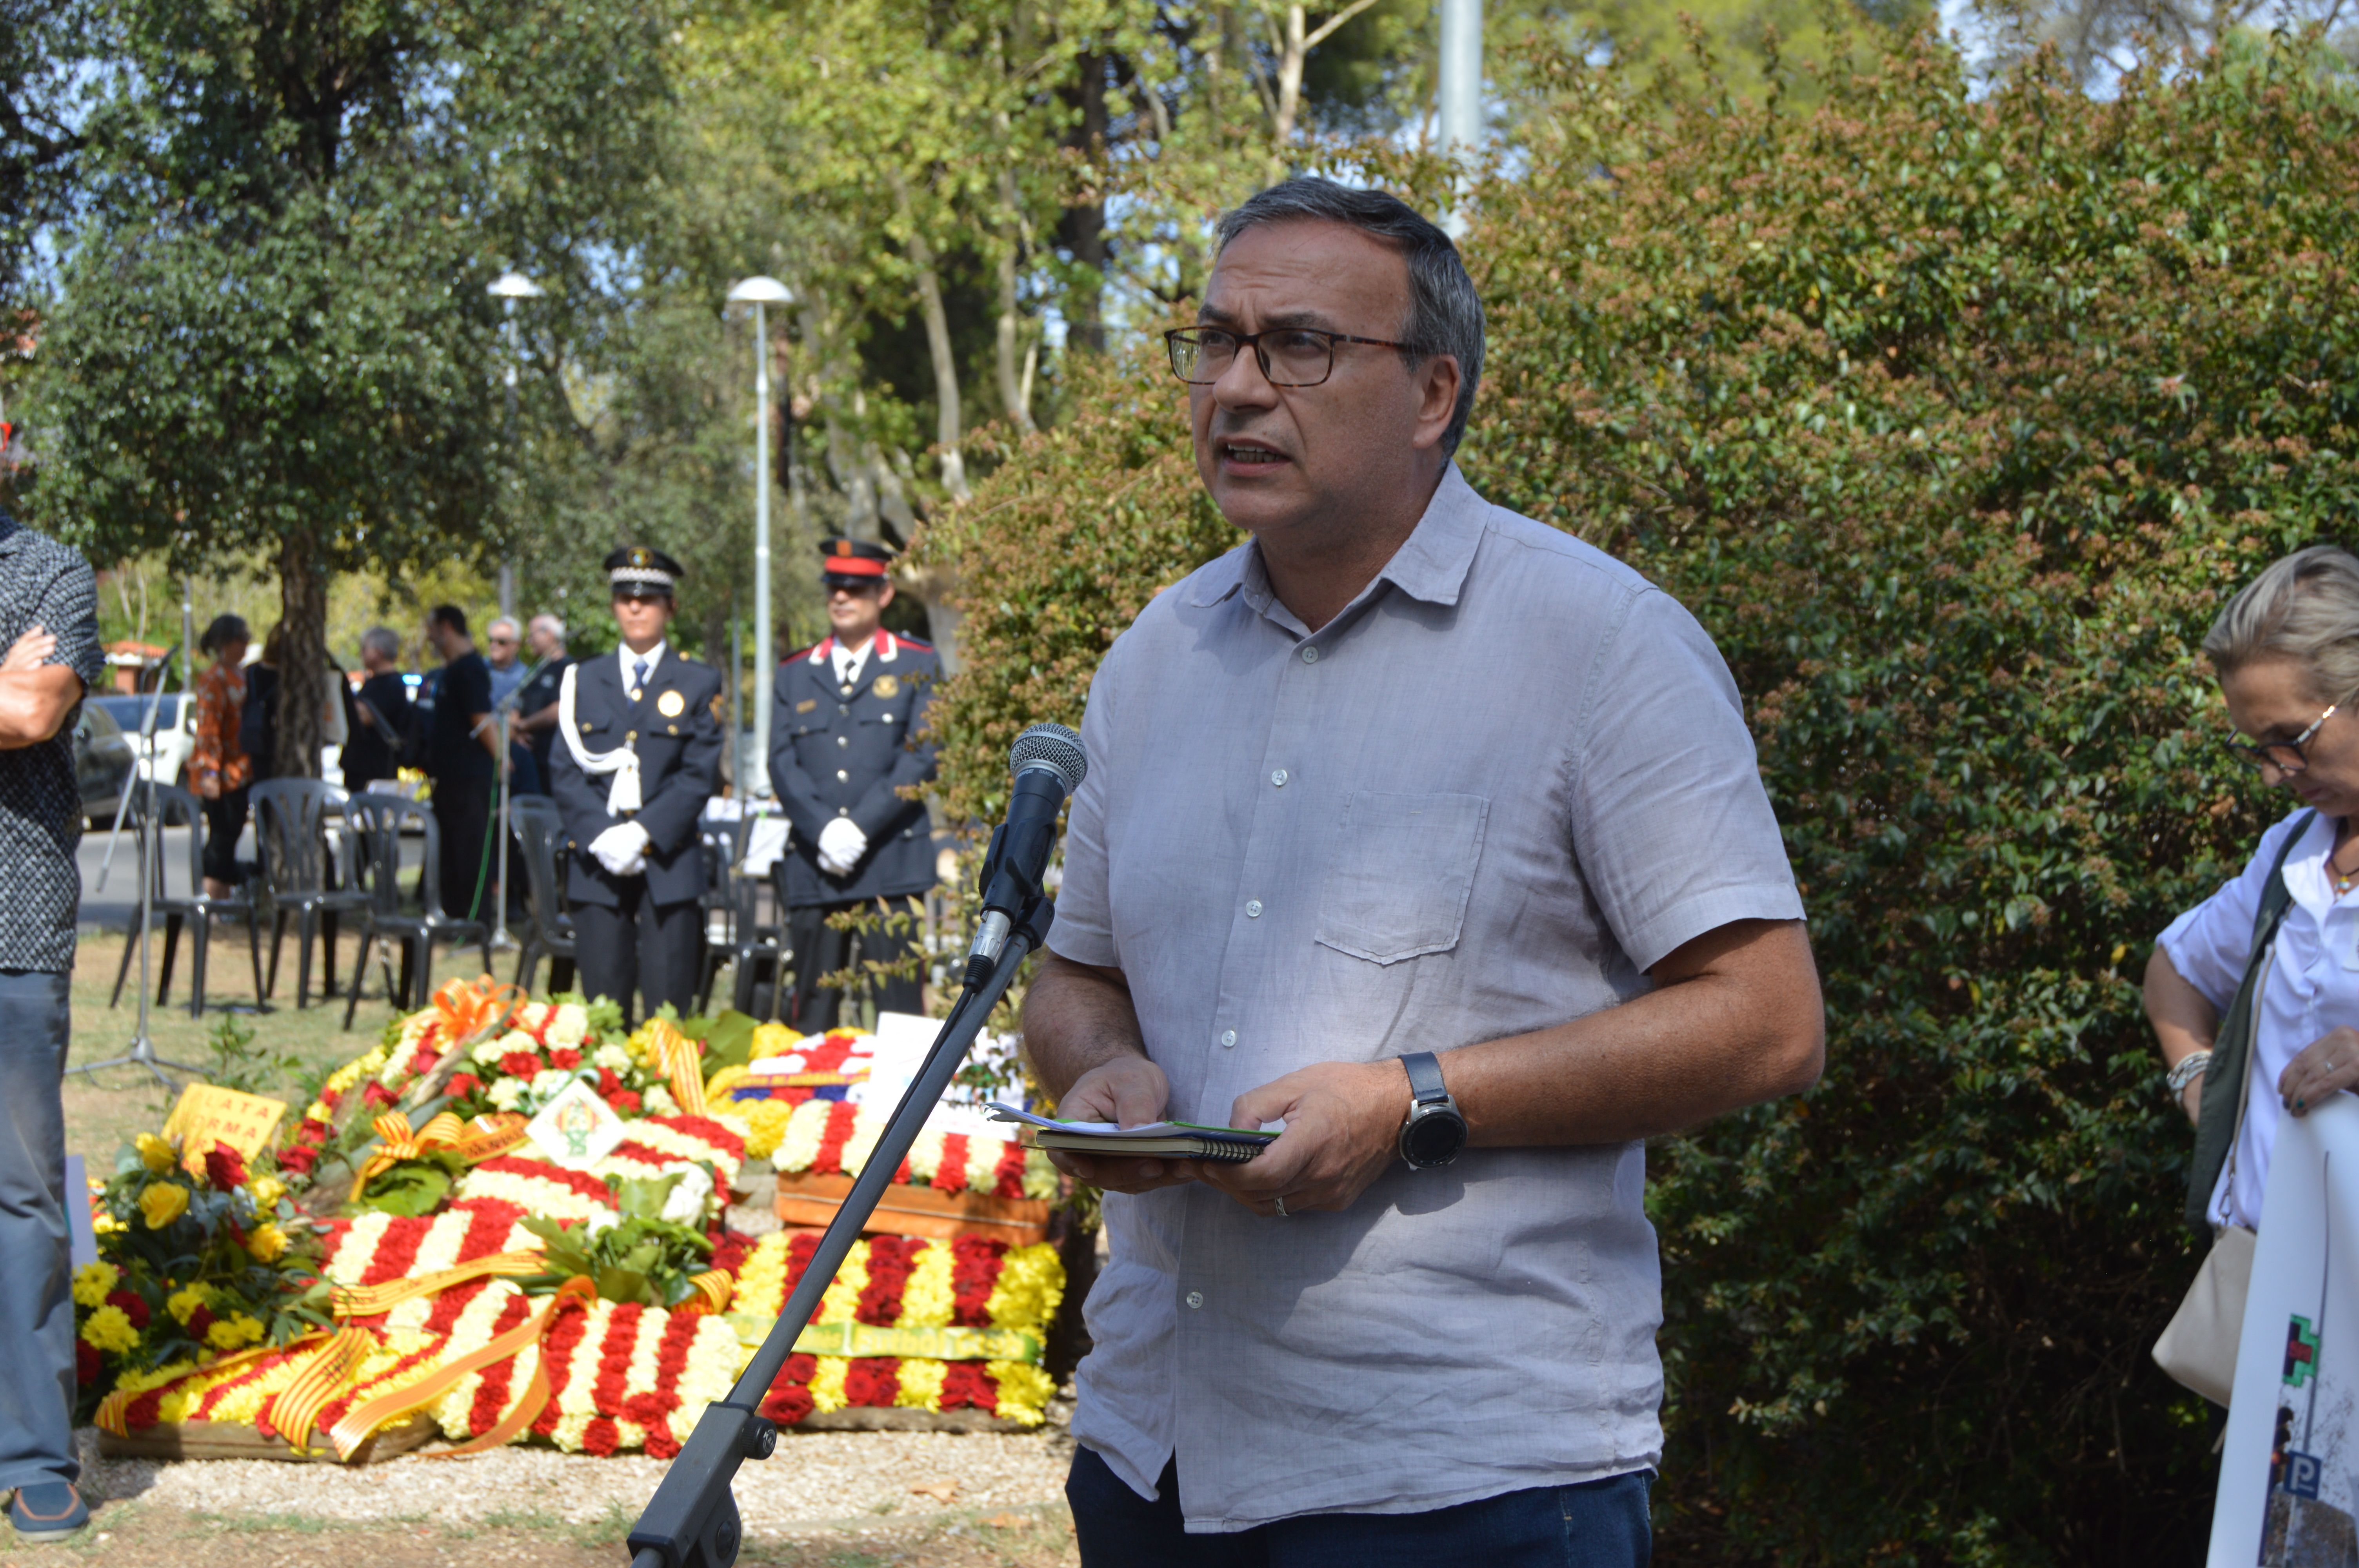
column 637, row 755
column 841, row 752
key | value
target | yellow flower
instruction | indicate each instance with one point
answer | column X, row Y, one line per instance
column 717, row 1086
column 267, row 1191
column 155, row 1154
column 162, row 1203
column 265, row 1241
column 109, row 1329
column 767, row 1123
column 183, row 1304
column 233, row 1331
column 771, row 1040
column 92, row 1280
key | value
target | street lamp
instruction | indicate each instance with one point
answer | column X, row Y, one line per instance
column 761, row 293
column 507, row 288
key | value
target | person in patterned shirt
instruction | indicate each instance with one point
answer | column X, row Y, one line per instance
column 48, row 624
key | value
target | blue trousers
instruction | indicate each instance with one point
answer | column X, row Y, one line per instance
column 37, row 1320
column 1597, row 1524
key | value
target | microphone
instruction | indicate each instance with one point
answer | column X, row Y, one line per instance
column 1049, row 764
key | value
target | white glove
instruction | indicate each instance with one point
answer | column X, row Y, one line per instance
column 841, row 845
column 622, row 849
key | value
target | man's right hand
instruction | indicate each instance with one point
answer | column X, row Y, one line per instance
column 1128, row 1091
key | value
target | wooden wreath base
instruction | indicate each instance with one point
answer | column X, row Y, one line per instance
column 230, row 1439
column 870, row 1418
column 808, row 1200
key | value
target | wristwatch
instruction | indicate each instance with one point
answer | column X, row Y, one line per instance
column 1434, row 1132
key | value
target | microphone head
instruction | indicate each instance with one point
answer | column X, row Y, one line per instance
column 1051, row 748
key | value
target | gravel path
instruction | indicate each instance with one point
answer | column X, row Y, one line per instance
column 815, row 1481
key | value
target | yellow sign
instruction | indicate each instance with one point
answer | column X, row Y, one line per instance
column 206, row 1116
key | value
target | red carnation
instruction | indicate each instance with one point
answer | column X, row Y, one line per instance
column 313, row 1130
column 787, row 1406
column 520, row 1064
column 464, row 1083
column 200, row 1320
column 659, row 1443
column 133, row 1306
column 565, row 1059
column 599, row 1438
column 376, row 1094
column 88, row 1367
column 332, row 1098
column 872, row 1380
column 607, row 1083
column 422, row 1062
column 625, row 1102
column 299, row 1160
column 224, row 1168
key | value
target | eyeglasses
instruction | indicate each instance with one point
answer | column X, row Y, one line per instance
column 1289, row 356
column 2286, row 756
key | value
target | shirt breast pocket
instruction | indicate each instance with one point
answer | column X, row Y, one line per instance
column 1402, row 871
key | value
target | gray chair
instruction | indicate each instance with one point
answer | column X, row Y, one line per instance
column 379, row 821
column 177, row 807
column 539, row 833
column 307, row 873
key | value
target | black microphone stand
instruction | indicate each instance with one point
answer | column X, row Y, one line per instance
column 692, row 1519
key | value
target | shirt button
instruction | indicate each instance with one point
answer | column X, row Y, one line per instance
column 843, row 708
column 1279, row 778
column 1228, row 1037
column 842, row 776
column 844, row 739
column 1253, row 909
column 1195, row 1299
column 1309, row 656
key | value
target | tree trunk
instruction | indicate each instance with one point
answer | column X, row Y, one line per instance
column 1015, row 387
column 1084, row 225
column 302, row 658
column 950, row 425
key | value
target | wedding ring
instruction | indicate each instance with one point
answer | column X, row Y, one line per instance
column 1280, row 1201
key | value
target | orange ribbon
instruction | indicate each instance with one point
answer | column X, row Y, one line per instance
column 296, row 1407
column 473, row 1142
column 678, row 1058
column 367, row 1417
column 368, row 1301
column 716, row 1287
column 114, row 1410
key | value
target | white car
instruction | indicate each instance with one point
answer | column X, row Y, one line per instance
column 175, row 730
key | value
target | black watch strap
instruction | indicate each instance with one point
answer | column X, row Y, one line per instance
column 1425, row 1084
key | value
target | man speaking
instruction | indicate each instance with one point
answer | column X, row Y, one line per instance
column 1435, row 834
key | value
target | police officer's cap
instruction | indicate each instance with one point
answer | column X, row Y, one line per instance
column 637, row 571
column 854, row 563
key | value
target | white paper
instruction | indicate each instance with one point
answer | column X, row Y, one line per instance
column 1109, row 1129
column 2299, row 1359
column 577, row 1129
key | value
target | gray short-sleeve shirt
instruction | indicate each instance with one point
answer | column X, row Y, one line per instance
column 1481, row 801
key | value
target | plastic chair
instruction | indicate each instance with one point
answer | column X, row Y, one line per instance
column 380, row 820
column 539, row 833
column 719, row 843
column 306, row 871
column 177, row 807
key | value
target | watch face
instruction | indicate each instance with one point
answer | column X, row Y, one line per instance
column 1434, row 1140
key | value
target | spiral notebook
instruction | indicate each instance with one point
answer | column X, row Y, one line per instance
column 1155, row 1139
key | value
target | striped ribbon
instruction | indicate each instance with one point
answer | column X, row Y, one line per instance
column 472, row 1142
column 114, row 1410
column 368, row 1301
column 680, row 1059
column 296, row 1408
column 367, row 1417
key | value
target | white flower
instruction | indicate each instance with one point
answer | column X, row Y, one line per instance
column 507, row 1093
column 487, row 1053
column 658, row 1101
column 549, row 1080
column 570, row 1026
column 794, row 1061
column 600, row 1223
column 686, row 1204
column 612, row 1057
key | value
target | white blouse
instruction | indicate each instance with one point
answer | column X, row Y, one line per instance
column 2312, row 986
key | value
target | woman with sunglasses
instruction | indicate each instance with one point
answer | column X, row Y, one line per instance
column 2287, row 653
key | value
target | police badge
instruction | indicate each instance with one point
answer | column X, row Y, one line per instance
column 888, row 686
column 671, row 705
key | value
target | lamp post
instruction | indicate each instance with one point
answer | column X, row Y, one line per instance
column 761, row 293
column 1460, row 81
column 507, row 288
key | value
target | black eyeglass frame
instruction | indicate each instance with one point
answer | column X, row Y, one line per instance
column 2260, row 755
column 1186, row 336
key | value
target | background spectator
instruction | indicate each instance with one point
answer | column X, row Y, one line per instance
column 536, row 710
column 383, row 721
column 460, row 743
column 218, row 769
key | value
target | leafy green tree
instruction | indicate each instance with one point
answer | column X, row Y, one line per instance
column 274, row 340
column 1955, row 417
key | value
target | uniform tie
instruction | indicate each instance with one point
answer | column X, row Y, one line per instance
column 638, row 678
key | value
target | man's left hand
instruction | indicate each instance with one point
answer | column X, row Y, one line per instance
column 1342, row 1126
column 28, row 651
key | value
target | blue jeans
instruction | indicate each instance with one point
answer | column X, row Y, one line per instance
column 1597, row 1524
column 36, row 1319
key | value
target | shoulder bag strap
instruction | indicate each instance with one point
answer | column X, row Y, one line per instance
column 2223, row 1110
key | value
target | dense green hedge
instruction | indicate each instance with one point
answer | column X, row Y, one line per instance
column 1953, row 419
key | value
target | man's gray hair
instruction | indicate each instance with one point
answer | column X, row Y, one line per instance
column 382, row 641
column 2305, row 609
column 554, row 625
column 1445, row 314
column 499, row 621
